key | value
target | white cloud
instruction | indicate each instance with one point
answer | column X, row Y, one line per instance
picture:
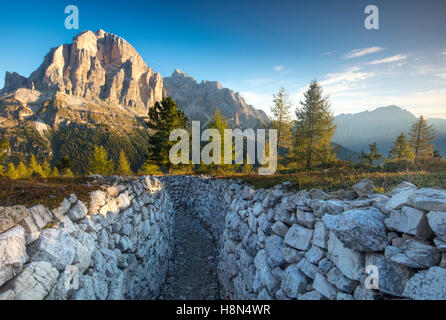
column 352, row 75
column 258, row 100
column 427, row 103
column 398, row 57
column 362, row 52
column 443, row 53
column 278, row 68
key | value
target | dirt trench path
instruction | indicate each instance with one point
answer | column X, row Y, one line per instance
column 193, row 273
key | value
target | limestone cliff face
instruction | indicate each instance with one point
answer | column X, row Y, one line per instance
column 101, row 79
column 200, row 101
column 100, row 66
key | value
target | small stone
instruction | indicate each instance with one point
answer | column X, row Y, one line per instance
column 293, row 281
column 299, row 237
column 318, row 194
column 321, row 285
column 364, row 188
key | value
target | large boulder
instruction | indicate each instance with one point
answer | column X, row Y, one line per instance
column 427, row 285
column 54, row 246
column 360, row 230
column 410, row 221
column 12, row 253
column 11, row 216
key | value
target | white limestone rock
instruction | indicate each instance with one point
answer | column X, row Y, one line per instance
column 12, row 253
column 78, row 212
column 437, row 222
column 427, row 285
column 429, row 200
column 299, row 237
column 53, row 246
column 349, row 261
column 411, row 221
column 35, row 281
column 360, row 230
column 322, row 286
column 364, row 188
column 11, row 216
column 293, row 281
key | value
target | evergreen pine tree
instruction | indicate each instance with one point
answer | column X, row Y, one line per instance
column 421, row 137
column 99, row 162
column 314, row 129
column 148, row 168
column 401, row 149
column 164, row 117
column 34, row 167
column 46, row 169
column 12, row 172
column 4, row 148
column 123, row 168
column 68, row 173
column 371, row 157
column 437, row 155
column 282, row 119
column 220, row 123
column 23, row 171
column 54, row 173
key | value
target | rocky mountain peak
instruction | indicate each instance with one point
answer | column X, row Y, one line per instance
column 97, row 66
column 200, row 101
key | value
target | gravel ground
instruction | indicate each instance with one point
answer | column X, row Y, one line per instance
column 193, row 272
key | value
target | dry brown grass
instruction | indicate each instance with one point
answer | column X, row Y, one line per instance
column 48, row 192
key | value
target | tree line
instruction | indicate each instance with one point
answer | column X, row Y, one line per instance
column 303, row 143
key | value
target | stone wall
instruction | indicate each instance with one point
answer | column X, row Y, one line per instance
column 121, row 245
column 275, row 244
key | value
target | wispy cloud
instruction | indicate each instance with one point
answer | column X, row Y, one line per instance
column 327, row 53
column 396, row 58
column 351, row 75
column 443, row 53
column 259, row 100
column 362, row 52
column 278, row 68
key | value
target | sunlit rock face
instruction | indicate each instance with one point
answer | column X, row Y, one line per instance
column 100, row 65
column 200, row 101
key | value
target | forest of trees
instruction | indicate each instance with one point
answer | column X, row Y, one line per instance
column 303, row 144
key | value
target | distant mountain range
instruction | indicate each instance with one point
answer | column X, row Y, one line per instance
column 382, row 125
column 98, row 90
column 101, row 79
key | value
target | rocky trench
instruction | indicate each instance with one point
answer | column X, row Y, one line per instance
column 184, row 237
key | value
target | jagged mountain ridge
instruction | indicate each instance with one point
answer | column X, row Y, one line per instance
column 382, row 125
column 100, row 78
column 200, row 101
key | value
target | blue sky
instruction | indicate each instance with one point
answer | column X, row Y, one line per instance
column 255, row 47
